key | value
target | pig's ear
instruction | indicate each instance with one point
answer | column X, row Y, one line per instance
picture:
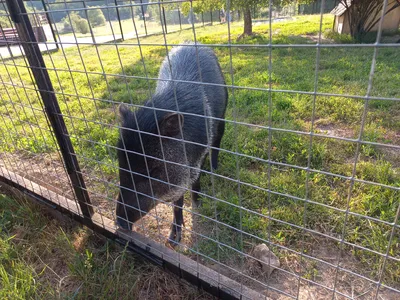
column 124, row 111
column 171, row 124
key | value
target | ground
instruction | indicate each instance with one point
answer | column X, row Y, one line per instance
column 44, row 255
column 89, row 92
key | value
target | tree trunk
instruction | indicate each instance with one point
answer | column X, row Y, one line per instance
column 364, row 15
column 248, row 26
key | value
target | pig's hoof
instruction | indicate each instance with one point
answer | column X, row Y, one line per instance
column 196, row 203
column 175, row 236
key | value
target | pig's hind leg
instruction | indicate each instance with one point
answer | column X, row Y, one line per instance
column 194, row 193
column 217, row 144
column 176, row 227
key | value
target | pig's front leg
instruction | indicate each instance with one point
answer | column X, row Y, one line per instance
column 176, row 228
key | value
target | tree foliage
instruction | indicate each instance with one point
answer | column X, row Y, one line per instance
column 207, row 5
column 96, row 17
column 202, row 6
column 243, row 5
column 75, row 22
column 364, row 15
column 4, row 21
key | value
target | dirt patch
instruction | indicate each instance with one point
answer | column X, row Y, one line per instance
column 314, row 38
column 334, row 130
column 52, row 257
column 392, row 154
column 44, row 169
column 391, row 39
column 319, row 278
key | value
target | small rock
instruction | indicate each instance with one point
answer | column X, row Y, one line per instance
column 266, row 258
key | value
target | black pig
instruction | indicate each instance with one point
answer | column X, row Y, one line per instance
column 155, row 167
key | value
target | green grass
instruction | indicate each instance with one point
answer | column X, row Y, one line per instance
column 36, row 254
column 127, row 28
column 341, row 70
column 39, row 259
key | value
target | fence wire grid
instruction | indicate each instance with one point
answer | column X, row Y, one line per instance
column 309, row 164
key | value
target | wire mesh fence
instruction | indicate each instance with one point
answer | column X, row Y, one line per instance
column 309, row 159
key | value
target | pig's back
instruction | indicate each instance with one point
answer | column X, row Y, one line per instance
column 184, row 62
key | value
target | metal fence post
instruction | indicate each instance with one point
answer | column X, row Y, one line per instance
column 143, row 15
column 52, row 109
column 119, row 20
column 50, row 23
column 165, row 21
column 180, row 20
column 87, row 17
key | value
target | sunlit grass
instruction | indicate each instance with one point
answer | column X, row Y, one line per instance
column 87, row 96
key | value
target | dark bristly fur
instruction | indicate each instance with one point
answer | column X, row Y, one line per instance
column 137, row 190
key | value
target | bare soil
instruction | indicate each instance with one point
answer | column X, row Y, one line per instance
column 152, row 282
column 48, row 171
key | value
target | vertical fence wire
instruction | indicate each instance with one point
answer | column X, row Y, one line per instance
column 307, row 185
column 23, row 107
column 36, row 124
column 269, row 117
column 235, row 113
column 44, row 84
column 221, row 235
column 360, row 136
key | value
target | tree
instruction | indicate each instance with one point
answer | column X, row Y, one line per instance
column 4, row 21
column 75, row 22
column 202, row 6
column 59, row 7
column 364, row 15
column 246, row 6
column 243, row 5
column 96, row 17
column 83, row 26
